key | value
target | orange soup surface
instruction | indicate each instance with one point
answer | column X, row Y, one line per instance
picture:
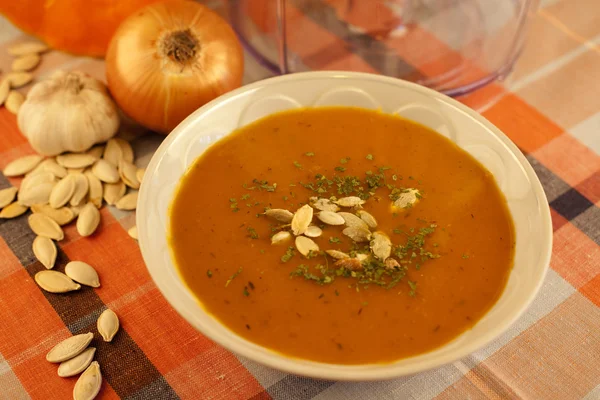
column 436, row 261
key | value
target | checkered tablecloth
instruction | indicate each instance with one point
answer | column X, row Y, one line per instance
column 550, row 107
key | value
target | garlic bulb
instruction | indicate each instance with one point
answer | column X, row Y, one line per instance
column 70, row 111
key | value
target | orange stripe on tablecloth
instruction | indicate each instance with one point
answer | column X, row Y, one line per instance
column 9, row 263
column 226, row 378
column 526, row 126
column 591, row 290
column 72, row 236
column 12, row 143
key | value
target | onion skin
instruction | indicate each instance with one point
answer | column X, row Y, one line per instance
column 158, row 83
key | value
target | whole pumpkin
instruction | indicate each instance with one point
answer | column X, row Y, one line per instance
column 82, row 27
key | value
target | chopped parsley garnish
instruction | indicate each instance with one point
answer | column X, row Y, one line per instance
column 465, row 256
column 245, row 196
column 297, row 165
column 252, row 233
column 336, row 292
column 288, row 254
column 209, row 273
column 369, row 157
column 309, row 154
column 246, row 292
column 334, row 239
column 344, row 160
column 413, row 288
column 340, row 169
column 232, row 277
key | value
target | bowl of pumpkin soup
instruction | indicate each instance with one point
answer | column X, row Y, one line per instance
column 344, row 226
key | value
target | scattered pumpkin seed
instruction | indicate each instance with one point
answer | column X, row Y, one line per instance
column 381, row 245
column 25, row 62
column 127, row 202
column 281, row 237
column 75, row 160
column 105, row 171
column 113, row 192
column 4, row 90
column 89, row 383
column 62, row 215
column 19, row 79
column 69, row 347
column 13, row 210
column 24, row 48
column 338, row 255
column 351, row 201
column 406, row 199
column 279, row 214
column 313, row 231
column 351, row 264
column 82, row 187
column 391, row 264
column 330, row 218
column 7, row 196
column 43, row 225
column 305, row 245
column 352, row 220
column 88, row 220
column 126, row 150
column 108, row 325
column 96, row 151
column 62, row 192
column 50, row 165
column 128, row 172
column 22, row 165
column 14, row 101
column 368, row 218
column 112, row 152
column 45, row 251
column 357, row 234
column 133, row 232
column 36, row 194
column 55, row 282
column 74, row 171
column 302, row 219
column 77, row 364
column 140, row 174
column 82, row 273
column 324, row 204
column 95, row 192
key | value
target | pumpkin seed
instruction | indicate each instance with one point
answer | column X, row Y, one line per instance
column 77, row 364
column 353, row 220
column 330, row 218
column 50, row 165
column 13, row 210
column 25, row 62
column 7, row 196
column 82, row 187
column 43, row 225
column 96, row 151
column 4, row 90
column 323, row 204
column 279, row 214
column 37, row 179
column 55, row 282
column 126, row 149
column 305, row 245
column 105, row 171
column 112, row 152
column 82, row 273
column 338, row 255
column 62, row 215
column 392, row 264
column 39, row 194
column 357, row 234
column 14, row 101
column 302, row 219
column 362, row 257
column 313, row 231
column 24, row 48
column 281, row 237
column 89, row 383
column 22, row 165
column 406, row 199
column 113, row 192
column 62, row 192
column 74, row 171
column 127, row 172
column 351, row 201
column 108, row 325
column 381, row 245
column 95, row 189
column 127, row 202
column 368, row 218
column 75, row 160
column 76, row 209
column 140, row 174
column 88, row 220
column 45, row 251
column 69, row 347
column 133, row 232
column 19, row 79
column 351, row 264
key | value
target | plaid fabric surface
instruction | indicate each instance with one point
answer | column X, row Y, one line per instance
column 550, row 108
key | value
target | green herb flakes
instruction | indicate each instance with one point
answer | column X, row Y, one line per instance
column 246, row 292
column 340, row 169
column 297, row 165
column 289, row 253
column 239, row 271
column 344, row 160
column 369, row 157
column 465, row 256
column 334, row 239
column 209, row 273
column 309, row 154
column 413, row 288
column 252, row 233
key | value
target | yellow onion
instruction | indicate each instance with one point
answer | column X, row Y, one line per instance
column 170, row 58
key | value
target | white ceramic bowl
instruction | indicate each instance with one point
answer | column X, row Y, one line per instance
column 517, row 180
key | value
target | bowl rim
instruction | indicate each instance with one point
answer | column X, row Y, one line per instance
column 344, row 372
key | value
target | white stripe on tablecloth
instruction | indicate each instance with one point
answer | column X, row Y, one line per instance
column 587, row 132
column 10, row 386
